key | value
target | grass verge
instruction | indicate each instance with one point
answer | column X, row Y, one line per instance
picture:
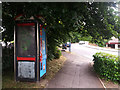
column 109, row 84
column 52, row 68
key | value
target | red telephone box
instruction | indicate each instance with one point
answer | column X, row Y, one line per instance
column 29, row 50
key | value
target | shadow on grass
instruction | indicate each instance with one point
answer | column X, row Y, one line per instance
column 9, row 82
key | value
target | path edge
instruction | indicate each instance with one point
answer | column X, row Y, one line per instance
column 100, row 80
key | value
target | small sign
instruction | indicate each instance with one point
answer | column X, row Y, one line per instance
column 26, row 69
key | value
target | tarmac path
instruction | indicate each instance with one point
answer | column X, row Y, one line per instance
column 76, row 73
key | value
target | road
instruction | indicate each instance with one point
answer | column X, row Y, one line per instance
column 88, row 51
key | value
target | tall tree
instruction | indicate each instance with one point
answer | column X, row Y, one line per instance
column 89, row 19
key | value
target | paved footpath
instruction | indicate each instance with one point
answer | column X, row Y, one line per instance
column 76, row 73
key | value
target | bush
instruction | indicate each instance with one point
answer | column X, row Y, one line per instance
column 50, row 55
column 107, row 66
column 57, row 53
column 53, row 53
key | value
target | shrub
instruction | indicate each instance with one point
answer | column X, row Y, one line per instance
column 107, row 66
column 57, row 53
column 50, row 55
column 53, row 53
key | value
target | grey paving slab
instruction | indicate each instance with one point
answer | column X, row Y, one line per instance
column 76, row 73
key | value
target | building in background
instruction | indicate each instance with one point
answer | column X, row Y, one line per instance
column 114, row 43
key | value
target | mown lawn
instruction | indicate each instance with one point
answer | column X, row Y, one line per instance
column 52, row 68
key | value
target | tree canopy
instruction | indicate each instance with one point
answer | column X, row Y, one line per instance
column 96, row 20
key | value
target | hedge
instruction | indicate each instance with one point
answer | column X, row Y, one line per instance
column 53, row 53
column 57, row 53
column 107, row 66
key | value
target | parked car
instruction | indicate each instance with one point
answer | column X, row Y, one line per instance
column 68, row 44
column 81, row 42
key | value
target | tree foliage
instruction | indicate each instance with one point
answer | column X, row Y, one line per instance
column 96, row 20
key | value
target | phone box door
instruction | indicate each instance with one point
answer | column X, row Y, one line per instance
column 26, row 51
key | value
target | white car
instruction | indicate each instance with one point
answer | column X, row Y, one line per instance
column 81, row 42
